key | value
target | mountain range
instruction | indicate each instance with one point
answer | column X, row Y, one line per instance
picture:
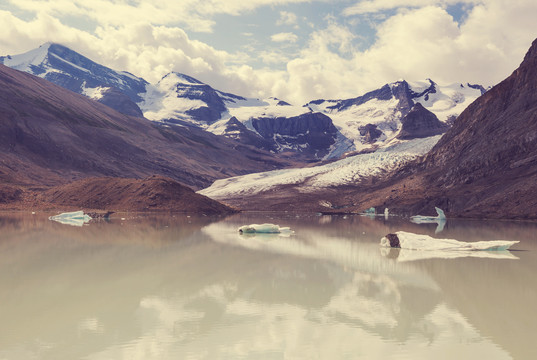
column 383, row 149
column 318, row 130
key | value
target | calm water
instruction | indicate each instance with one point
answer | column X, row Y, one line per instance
column 192, row 288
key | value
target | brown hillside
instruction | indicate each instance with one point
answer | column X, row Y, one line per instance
column 50, row 135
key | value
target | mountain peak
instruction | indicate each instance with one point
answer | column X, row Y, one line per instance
column 532, row 52
column 182, row 78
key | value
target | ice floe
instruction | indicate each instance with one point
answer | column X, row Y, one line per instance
column 411, row 241
column 263, row 229
column 75, row 218
column 440, row 219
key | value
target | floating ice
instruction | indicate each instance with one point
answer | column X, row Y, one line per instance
column 75, row 218
column 420, row 219
column 410, row 241
column 440, row 219
column 370, row 212
column 263, row 229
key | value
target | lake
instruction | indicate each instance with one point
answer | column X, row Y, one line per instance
column 178, row 287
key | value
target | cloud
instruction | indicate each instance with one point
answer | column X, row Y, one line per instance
column 287, row 18
column 374, row 6
column 195, row 15
column 284, row 37
column 413, row 43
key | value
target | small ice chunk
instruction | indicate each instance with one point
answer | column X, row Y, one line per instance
column 440, row 219
column 263, row 228
column 75, row 218
column 370, row 212
column 406, row 240
column 420, row 219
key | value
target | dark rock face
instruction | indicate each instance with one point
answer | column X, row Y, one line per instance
column 384, row 93
column 394, row 240
column 215, row 106
column 420, row 123
column 237, row 131
column 117, row 100
column 477, row 87
column 370, row 133
column 311, row 133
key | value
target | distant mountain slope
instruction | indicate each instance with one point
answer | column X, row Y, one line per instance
column 49, row 135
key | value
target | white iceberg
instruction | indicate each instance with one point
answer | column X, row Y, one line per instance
column 410, row 241
column 421, row 219
column 263, row 229
column 440, row 219
column 75, row 218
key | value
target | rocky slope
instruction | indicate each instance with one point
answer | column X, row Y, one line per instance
column 49, row 135
column 155, row 193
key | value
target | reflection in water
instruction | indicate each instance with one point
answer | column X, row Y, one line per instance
column 193, row 288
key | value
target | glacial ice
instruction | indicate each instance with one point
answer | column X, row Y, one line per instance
column 440, row 219
column 75, row 218
column 370, row 212
column 263, row 229
column 413, row 241
column 421, row 219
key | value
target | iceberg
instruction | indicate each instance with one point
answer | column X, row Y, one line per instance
column 263, row 229
column 440, row 219
column 410, row 241
column 369, row 212
column 75, row 218
column 420, row 219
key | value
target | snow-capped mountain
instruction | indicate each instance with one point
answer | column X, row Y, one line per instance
column 321, row 129
column 179, row 98
column 67, row 68
column 376, row 117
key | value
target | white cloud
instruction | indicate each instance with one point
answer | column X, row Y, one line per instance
column 287, row 18
column 195, row 15
column 284, row 37
column 415, row 43
column 374, row 6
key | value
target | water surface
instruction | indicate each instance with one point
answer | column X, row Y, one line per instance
column 177, row 287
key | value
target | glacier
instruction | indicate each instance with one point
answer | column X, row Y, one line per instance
column 346, row 171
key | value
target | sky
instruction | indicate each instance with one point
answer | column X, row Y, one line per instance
column 296, row 50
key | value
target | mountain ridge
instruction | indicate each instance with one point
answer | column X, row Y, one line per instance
column 180, row 99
